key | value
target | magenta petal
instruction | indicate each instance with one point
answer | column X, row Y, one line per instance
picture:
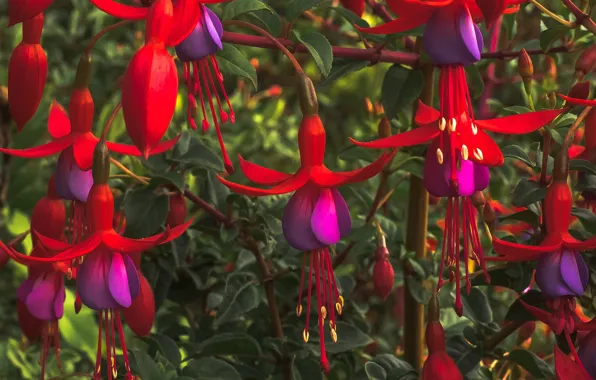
column 324, row 219
column 40, row 301
column 214, row 26
column 25, row 288
column 344, row 219
column 574, row 272
column 60, row 297
column 92, row 280
column 118, row 281
column 437, row 176
column 296, row 219
column 134, row 283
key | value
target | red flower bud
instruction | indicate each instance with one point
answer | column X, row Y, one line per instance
column 177, row 214
column 22, row 10
column 49, row 216
column 274, row 90
column 229, row 268
column 27, row 73
column 141, row 313
column 586, row 61
column 580, row 90
column 78, row 304
column 525, row 67
column 590, row 129
column 550, row 68
column 383, row 274
column 150, row 85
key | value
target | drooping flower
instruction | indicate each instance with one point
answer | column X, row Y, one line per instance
column 356, row 6
column 200, row 68
column 316, row 215
column 27, row 73
column 107, row 279
column 438, row 364
column 23, row 10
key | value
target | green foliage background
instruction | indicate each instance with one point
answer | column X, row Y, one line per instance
column 213, row 321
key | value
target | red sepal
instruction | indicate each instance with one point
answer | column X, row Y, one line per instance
column 356, row 6
column 426, row 115
column 58, row 121
column 261, row 175
column 413, row 137
column 514, row 252
column 327, row 178
column 291, row 184
column 44, row 150
column 578, row 102
column 519, row 124
column 22, row 10
column 565, row 368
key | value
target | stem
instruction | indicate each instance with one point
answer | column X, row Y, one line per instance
column 127, row 171
column 493, row 341
column 582, row 18
column 106, row 128
column 552, row 15
column 417, row 224
column 103, row 32
column 268, row 36
column 576, row 125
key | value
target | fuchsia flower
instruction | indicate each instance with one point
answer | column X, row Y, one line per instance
column 107, row 279
column 316, row 215
column 200, row 67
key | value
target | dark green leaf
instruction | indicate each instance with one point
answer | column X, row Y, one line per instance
column 551, row 35
column 144, row 366
column 240, row 296
column 200, row 156
column 515, row 277
column 145, row 212
column 211, row 369
column 168, row 348
column 517, row 312
column 232, row 61
column 375, row 371
column 240, row 7
column 531, row 363
column 349, row 338
column 476, row 306
column 319, row 47
column 527, row 192
column 515, row 151
column 583, row 166
column 229, row 344
column 170, row 178
column 297, row 7
column 401, row 87
column 343, row 67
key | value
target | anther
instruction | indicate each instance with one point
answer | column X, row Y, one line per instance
column 452, row 124
column 464, row 152
column 338, row 307
column 440, row 156
column 323, row 312
column 474, row 129
column 478, row 154
column 299, row 310
column 69, row 274
column 442, row 124
column 305, row 335
column 341, row 301
column 334, row 335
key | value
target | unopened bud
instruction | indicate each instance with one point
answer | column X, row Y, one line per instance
column 550, row 68
column 526, row 70
column 590, row 129
column 384, row 128
column 308, row 96
column 478, row 199
column 525, row 332
column 489, row 216
column 368, row 105
column 435, row 335
column 78, row 304
column 552, row 100
column 586, row 62
column 229, row 268
column 255, row 63
column 101, row 163
column 177, row 213
column 580, row 90
column 379, row 110
column 274, row 90
column 83, row 75
column 383, row 274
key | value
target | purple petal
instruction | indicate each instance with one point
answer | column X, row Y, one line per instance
column 481, row 177
column 437, row 176
column 80, row 183
column 451, row 37
column 40, row 301
column 344, row 219
column 60, row 297
column 324, row 218
column 214, row 26
column 296, row 219
column 574, row 272
column 25, row 288
column 134, row 283
column 118, row 281
column 92, row 280
column 70, row 182
column 587, row 353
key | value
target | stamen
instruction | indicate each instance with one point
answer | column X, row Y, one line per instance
column 333, row 335
column 98, row 357
column 199, row 90
column 299, row 307
column 305, row 335
column 122, row 343
column 57, row 345
column 440, row 157
column 323, row 312
column 478, row 154
column 474, row 129
column 311, row 254
column 223, row 90
column 442, row 124
column 452, row 124
column 464, row 152
column 108, row 345
column 222, row 114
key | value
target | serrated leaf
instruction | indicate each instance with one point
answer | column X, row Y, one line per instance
column 232, row 61
column 240, row 296
column 240, row 7
column 515, row 151
column 145, row 212
column 319, row 48
column 297, row 7
column 375, row 371
column 401, row 87
column 537, row 367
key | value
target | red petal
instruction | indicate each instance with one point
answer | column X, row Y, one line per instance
column 519, row 124
column 399, row 25
column 578, row 102
column 260, row 174
column 491, row 10
column 326, row 178
column 187, row 14
column 491, row 153
column 426, row 115
column 413, row 137
column 75, row 251
column 582, row 245
column 514, row 252
column 291, row 184
column 44, row 150
column 131, row 150
column 58, row 121
column 121, row 10
column 82, row 150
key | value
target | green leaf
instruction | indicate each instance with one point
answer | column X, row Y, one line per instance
column 515, row 277
column 517, row 312
column 537, row 367
column 240, row 296
column 199, row 156
column 232, row 61
column 401, row 87
column 170, row 178
column 297, row 7
column 240, row 7
column 527, row 216
column 549, row 36
column 144, row 366
column 477, row 307
column 375, row 371
column 145, row 212
column 168, row 348
column 229, row 344
column 319, row 47
column 475, row 81
column 210, row 369
column 349, row 338
column 270, row 21
column 395, row 368
column 527, row 192
column 583, row 166
column 341, row 67
column 515, row 151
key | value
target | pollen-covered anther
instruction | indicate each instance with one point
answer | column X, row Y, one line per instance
column 474, row 129
column 298, row 310
column 323, row 312
column 305, row 335
column 341, row 301
column 440, row 156
column 69, row 274
column 338, row 307
column 334, row 335
column 464, row 152
column 478, row 154
column 452, row 124
column 442, row 124
column 114, row 372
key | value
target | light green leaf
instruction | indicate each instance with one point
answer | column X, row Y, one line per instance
column 319, row 47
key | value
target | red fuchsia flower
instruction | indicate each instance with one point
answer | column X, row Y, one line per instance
column 356, row 6
column 27, row 73
column 316, row 216
column 200, row 67
column 23, row 10
column 438, row 364
column 107, row 279
column 383, row 274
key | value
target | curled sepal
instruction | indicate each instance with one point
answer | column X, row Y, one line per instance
column 101, row 163
column 578, row 101
column 261, row 175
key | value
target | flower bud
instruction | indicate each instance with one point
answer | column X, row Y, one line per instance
column 590, row 129
column 141, row 313
column 550, row 68
column 101, row 163
column 49, row 215
column 368, row 105
column 308, row 96
column 383, row 274
column 78, row 304
column 384, row 128
column 177, row 213
column 356, row 6
column 489, row 216
column 525, row 68
column 561, row 168
column 586, row 62
column 478, row 199
column 580, row 90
